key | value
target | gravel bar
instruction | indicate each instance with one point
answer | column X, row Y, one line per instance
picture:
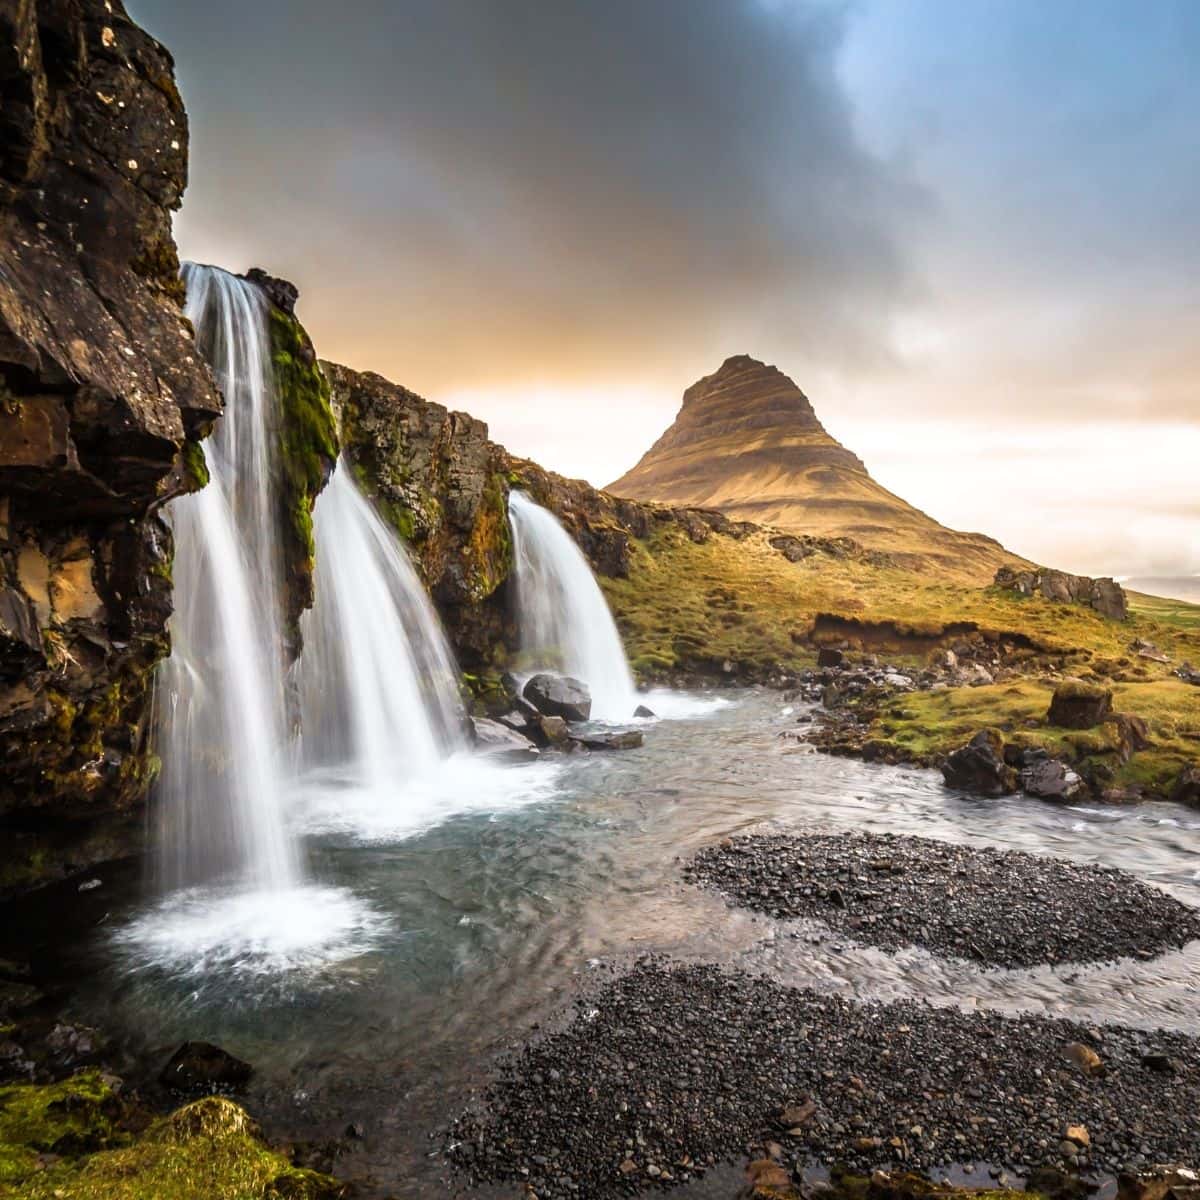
column 1002, row 908
column 669, row 1069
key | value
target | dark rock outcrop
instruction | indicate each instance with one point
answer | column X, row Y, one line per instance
column 103, row 399
column 979, row 766
column 1187, row 787
column 1106, row 596
column 1079, row 705
column 203, row 1067
column 494, row 739
column 559, row 696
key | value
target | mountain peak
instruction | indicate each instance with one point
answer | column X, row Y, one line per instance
column 747, row 441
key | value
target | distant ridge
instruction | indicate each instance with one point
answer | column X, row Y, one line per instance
column 748, row 442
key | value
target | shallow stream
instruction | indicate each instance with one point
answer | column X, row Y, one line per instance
column 440, row 932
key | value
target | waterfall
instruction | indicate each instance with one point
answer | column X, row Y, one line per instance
column 565, row 623
column 220, row 696
column 379, row 687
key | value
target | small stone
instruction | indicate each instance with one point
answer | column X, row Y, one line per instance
column 1084, row 1057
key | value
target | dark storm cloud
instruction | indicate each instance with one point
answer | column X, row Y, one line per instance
column 484, row 190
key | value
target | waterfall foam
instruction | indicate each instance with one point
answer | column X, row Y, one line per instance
column 220, row 696
column 565, row 623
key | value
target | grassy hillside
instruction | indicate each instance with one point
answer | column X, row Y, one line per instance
column 693, row 607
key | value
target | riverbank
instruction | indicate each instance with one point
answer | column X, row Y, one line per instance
column 490, row 920
column 670, row 1069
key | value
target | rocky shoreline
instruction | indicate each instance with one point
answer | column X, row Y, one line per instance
column 670, row 1069
column 1001, row 908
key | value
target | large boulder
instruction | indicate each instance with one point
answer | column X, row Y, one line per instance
column 104, row 402
column 1079, row 705
column 979, row 766
column 559, row 696
column 496, row 740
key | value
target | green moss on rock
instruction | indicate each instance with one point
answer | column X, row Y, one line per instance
column 308, row 450
column 209, row 1150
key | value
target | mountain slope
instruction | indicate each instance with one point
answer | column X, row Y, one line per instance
column 748, row 442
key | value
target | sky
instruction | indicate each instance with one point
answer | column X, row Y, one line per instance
column 968, row 229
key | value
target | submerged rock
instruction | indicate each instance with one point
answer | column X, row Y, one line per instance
column 626, row 739
column 494, row 739
column 559, row 696
column 203, row 1067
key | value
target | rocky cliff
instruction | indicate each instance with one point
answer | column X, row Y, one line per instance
column 748, row 442
column 102, row 402
column 444, row 485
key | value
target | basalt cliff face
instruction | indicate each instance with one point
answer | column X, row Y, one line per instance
column 102, row 402
column 748, row 442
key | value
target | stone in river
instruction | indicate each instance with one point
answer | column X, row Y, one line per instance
column 559, row 696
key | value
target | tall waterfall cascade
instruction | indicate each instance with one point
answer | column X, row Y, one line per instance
column 564, row 621
column 379, row 687
column 221, row 695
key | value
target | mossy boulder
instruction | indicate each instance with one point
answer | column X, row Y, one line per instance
column 1079, row 705
column 208, row 1150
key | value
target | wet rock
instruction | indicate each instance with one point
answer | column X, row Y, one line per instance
column 626, row 739
column 1189, row 674
column 1186, row 789
column 1079, row 705
column 1173, row 1182
column 1050, row 779
column 496, row 740
column 553, row 731
column 830, row 656
column 559, row 696
column 103, row 397
column 979, row 767
column 203, row 1067
column 643, row 712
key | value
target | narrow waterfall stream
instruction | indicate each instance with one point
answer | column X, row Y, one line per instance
column 565, row 623
column 379, row 688
column 220, row 696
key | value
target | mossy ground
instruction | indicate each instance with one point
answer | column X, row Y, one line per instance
column 687, row 606
column 64, row 1142
column 926, row 726
column 743, row 601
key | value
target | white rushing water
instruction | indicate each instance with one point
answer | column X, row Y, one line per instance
column 565, row 623
column 221, row 708
column 379, row 687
